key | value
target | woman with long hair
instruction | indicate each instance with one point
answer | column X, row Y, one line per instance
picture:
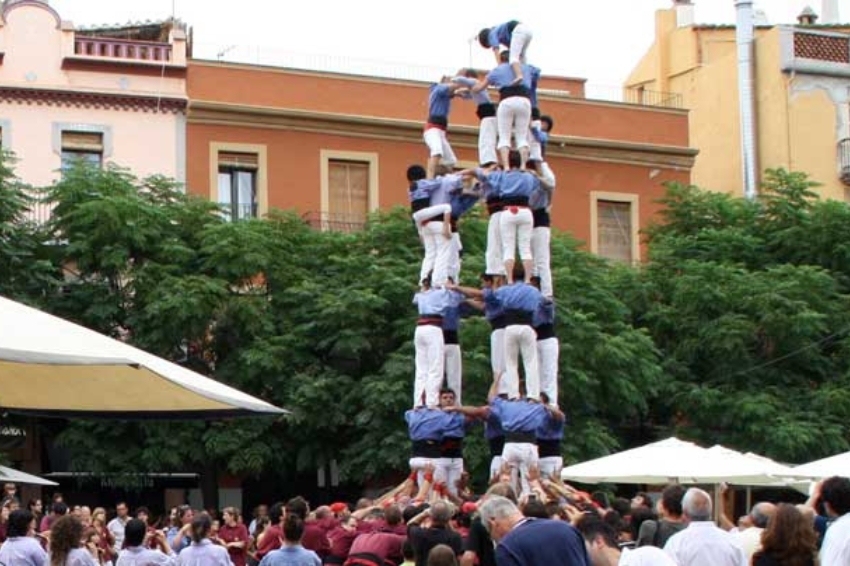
column 788, row 540
column 105, row 536
column 66, row 539
column 202, row 551
column 292, row 553
column 233, row 535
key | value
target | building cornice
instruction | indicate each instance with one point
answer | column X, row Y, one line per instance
column 100, row 100
column 375, row 127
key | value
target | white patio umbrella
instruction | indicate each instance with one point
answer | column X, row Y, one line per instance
column 17, row 476
column 671, row 460
column 837, row 465
column 52, row 367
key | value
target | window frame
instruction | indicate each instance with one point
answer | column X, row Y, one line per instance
column 261, row 186
column 326, row 156
column 633, row 201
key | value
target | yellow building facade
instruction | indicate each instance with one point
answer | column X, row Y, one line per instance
column 802, row 98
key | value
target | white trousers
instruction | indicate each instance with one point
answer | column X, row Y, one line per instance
column 550, row 466
column 417, row 464
column 437, row 253
column 438, row 145
column 497, row 357
column 514, row 117
column 520, row 456
column 428, row 342
column 495, row 466
column 430, row 211
column 521, row 339
column 488, row 133
column 493, row 255
column 520, row 38
column 515, row 227
column 455, row 247
column 448, row 471
column 540, row 250
column 548, row 351
column 454, row 369
column 535, row 151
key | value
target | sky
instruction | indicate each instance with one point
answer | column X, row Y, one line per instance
column 600, row 40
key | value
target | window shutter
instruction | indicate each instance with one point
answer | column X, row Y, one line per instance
column 82, row 141
column 238, row 160
column 614, row 230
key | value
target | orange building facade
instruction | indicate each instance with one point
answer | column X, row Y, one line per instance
column 334, row 147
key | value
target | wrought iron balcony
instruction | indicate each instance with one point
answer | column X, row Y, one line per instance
column 326, row 221
column 844, row 160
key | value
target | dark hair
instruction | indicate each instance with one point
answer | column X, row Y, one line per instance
column 622, row 506
column 415, row 173
column 66, row 533
column 550, row 123
column 275, row 513
column 535, row 508
column 647, row 500
column 514, row 159
column 201, row 526
column 544, row 397
column 293, row 528
column 518, row 272
column 407, row 550
column 639, row 515
column 504, row 56
column 503, row 489
column 836, row 492
column 392, row 515
column 297, row 506
column 413, row 510
column 134, row 532
column 447, row 390
column 600, row 498
column 591, row 527
column 671, row 499
column 31, row 503
column 59, row 508
column 789, row 538
column 441, row 555
column 470, row 73
column 19, row 523
column 484, row 37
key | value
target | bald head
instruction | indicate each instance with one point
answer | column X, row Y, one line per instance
column 761, row 514
column 696, row 505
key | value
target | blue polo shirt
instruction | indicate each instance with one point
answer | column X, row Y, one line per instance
column 503, row 76
column 535, row 79
column 439, row 101
column 433, row 302
column 518, row 416
column 519, row 296
column 480, row 97
column 501, row 34
column 425, row 424
column 545, row 313
column 513, row 183
column 551, row 429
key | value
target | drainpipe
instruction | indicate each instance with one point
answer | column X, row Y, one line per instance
column 745, row 31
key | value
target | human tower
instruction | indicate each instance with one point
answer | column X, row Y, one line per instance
column 523, row 425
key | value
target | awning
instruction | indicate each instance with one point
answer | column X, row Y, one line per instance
column 52, row 367
column 17, row 476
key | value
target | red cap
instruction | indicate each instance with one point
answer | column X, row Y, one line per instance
column 469, row 507
column 339, row 507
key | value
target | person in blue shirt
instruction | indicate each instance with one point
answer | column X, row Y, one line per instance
column 549, row 436
column 449, row 467
column 455, row 309
column 425, row 428
column 432, row 303
column 488, row 130
column 541, row 203
column 520, row 302
column 432, row 222
column 514, row 35
column 548, row 348
column 516, row 222
column 513, row 115
column 439, row 105
column 462, row 201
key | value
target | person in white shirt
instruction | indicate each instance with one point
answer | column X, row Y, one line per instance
column 202, row 551
column 601, row 541
column 835, row 496
column 703, row 543
column 136, row 554
column 66, row 537
column 750, row 538
column 116, row 525
column 21, row 548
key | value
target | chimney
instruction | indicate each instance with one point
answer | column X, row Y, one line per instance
column 744, row 33
column 807, row 17
column 829, row 12
column 684, row 13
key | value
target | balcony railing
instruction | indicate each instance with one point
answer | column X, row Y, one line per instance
column 334, row 222
column 133, row 50
column 238, row 211
column 631, row 95
column 844, row 160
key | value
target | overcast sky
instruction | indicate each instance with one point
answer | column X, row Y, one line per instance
column 600, row 40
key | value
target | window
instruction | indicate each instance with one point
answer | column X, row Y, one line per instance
column 81, row 146
column 237, row 184
column 349, row 189
column 614, row 226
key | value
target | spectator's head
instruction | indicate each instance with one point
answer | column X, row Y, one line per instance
column 499, row 515
column 10, row 490
column 363, row 503
column 59, row 508
column 835, row 495
column 298, row 506
column 503, row 490
column 639, row 515
column 484, row 38
column 293, row 528
column 535, row 508
column 66, row 534
column 407, row 551
column 671, row 501
column 622, row 506
column 143, row 514
column 20, row 522
column 134, row 532
column 276, row 513
column 185, row 514
column 441, row 555
column 441, row 514
column 600, row 539
column 761, row 513
column 261, row 510
column 393, row 516
column 35, row 506
column 641, row 499
column 696, row 505
column 231, row 515
column 121, row 510
column 601, row 499
column 789, row 534
column 201, row 526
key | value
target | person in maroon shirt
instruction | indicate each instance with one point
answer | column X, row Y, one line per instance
column 273, row 535
column 315, row 536
column 341, row 539
column 234, row 536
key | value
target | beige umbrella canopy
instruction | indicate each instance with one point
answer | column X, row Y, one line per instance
column 11, row 475
column 52, row 367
